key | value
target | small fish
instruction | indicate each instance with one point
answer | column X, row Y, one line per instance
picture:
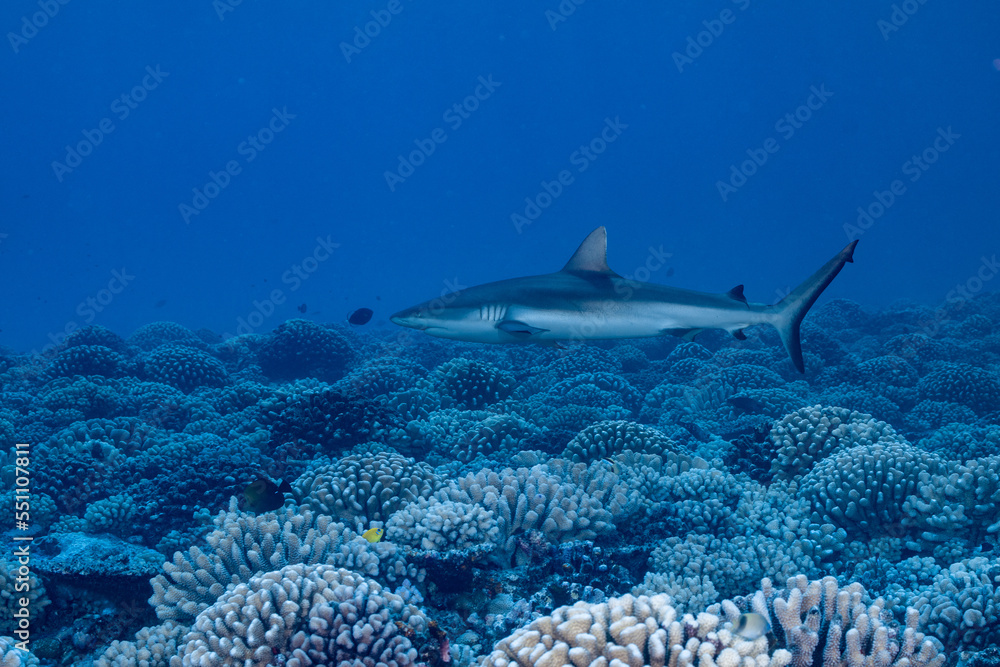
column 373, row 535
column 746, row 404
column 303, row 308
column 360, row 316
column 983, row 548
column 614, row 465
column 752, row 625
column 263, row 495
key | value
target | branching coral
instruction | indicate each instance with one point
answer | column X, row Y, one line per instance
column 539, row 498
column 863, row 489
column 245, row 545
column 607, row 438
column 183, row 367
column 112, row 515
column 470, row 384
column 804, row 437
column 632, row 631
column 442, row 525
column 299, row 348
column 962, row 606
column 965, row 384
column 86, row 360
column 153, row 647
column 307, row 615
column 819, row 620
column 151, row 336
column 359, row 489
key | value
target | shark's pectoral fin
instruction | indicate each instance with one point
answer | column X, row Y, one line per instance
column 519, row 328
column 739, row 335
column 686, row 334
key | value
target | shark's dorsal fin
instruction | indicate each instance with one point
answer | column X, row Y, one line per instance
column 592, row 255
column 737, row 293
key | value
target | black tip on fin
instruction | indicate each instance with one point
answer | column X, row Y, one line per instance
column 737, row 293
column 850, row 251
column 739, row 335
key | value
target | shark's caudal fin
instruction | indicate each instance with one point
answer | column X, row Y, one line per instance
column 790, row 310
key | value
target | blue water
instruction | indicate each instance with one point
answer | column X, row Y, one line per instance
column 239, row 166
column 450, row 222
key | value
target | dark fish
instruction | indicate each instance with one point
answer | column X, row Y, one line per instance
column 263, row 495
column 303, row 308
column 160, row 304
column 360, row 316
column 746, row 404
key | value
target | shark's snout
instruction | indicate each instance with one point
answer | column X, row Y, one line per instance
column 408, row 318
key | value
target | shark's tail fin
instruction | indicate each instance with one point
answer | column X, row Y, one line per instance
column 790, row 310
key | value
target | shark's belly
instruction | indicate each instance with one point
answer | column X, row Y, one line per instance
column 638, row 320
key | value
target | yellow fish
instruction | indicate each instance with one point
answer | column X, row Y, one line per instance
column 373, row 535
column 752, row 625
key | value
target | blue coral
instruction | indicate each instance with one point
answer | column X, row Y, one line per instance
column 183, row 367
column 303, row 349
column 96, row 335
column 977, row 388
column 595, row 446
column 471, row 384
column 87, row 360
column 155, row 334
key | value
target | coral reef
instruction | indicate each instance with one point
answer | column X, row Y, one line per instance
column 616, row 502
column 305, row 615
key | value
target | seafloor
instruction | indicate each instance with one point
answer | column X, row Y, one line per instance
column 610, row 504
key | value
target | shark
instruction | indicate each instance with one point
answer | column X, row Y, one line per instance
column 586, row 300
